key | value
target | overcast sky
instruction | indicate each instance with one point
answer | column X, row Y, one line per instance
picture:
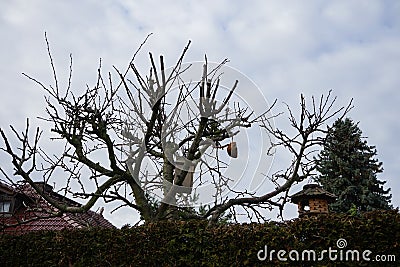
column 285, row 47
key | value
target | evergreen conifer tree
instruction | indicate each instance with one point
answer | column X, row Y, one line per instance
column 348, row 168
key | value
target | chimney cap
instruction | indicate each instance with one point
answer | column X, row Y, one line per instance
column 312, row 191
column 44, row 186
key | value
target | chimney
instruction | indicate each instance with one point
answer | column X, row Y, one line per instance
column 44, row 187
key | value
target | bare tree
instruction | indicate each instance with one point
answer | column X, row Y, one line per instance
column 301, row 145
column 112, row 133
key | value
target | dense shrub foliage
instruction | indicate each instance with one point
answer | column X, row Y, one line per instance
column 192, row 243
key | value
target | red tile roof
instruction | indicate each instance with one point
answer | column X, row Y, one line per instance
column 36, row 214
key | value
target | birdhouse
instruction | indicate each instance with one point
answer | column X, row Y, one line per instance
column 187, row 184
column 312, row 200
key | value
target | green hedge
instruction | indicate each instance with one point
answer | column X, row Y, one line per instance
column 192, row 243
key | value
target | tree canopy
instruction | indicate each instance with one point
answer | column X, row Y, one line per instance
column 348, row 168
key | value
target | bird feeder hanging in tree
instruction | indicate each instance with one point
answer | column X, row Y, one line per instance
column 187, row 184
column 232, row 149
